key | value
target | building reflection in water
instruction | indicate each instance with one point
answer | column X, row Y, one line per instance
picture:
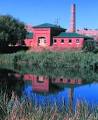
column 43, row 84
column 39, row 83
column 50, row 88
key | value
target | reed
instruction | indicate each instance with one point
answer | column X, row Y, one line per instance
column 53, row 60
column 14, row 109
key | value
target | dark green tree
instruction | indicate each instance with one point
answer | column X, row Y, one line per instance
column 12, row 31
column 89, row 45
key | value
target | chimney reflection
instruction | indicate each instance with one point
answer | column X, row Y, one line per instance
column 70, row 96
column 70, row 83
column 44, row 84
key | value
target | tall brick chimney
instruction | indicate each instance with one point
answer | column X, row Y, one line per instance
column 73, row 19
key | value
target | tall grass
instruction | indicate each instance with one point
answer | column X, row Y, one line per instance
column 47, row 59
column 54, row 64
column 14, row 109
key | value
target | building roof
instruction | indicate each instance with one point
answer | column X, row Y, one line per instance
column 29, row 35
column 48, row 25
column 70, row 35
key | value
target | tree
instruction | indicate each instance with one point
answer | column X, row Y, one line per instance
column 89, row 45
column 12, row 31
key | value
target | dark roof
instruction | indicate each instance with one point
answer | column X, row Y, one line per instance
column 70, row 35
column 29, row 35
column 48, row 25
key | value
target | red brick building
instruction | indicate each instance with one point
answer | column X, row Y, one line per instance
column 46, row 35
column 69, row 40
column 42, row 35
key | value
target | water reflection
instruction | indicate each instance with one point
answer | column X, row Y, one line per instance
column 43, row 89
column 46, row 90
column 46, row 84
column 10, row 83
column 39, row 83
column 52, row 87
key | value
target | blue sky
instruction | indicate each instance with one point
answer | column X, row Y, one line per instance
column 48, row 11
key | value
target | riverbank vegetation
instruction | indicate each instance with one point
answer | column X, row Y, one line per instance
column 58, row 60
column 53, row 64
column 15, row 109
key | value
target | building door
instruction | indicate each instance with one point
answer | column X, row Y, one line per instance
column 41, row 41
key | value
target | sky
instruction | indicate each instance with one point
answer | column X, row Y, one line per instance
column 36, row 12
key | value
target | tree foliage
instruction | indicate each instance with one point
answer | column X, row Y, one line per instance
column 89, row 45
column 12, row 31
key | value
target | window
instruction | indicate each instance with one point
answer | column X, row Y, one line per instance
column 61, row 79
column 55, row 40
column 70, row 41
column 62, row 41
column 40, row 79
column 77, row 40
column 41, row 41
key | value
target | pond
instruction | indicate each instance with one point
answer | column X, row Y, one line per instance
column 44, row 90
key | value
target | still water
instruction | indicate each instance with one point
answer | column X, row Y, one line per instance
column 42, row 89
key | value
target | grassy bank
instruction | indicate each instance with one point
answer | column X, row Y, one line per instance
column 14, row 109
column 53, row 64
column 56, row 60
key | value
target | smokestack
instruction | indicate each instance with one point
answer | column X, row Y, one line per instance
column 73, row 18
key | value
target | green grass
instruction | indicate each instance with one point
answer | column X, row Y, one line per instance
column 47, row 59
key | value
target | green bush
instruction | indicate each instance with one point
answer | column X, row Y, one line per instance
column 89, row 45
